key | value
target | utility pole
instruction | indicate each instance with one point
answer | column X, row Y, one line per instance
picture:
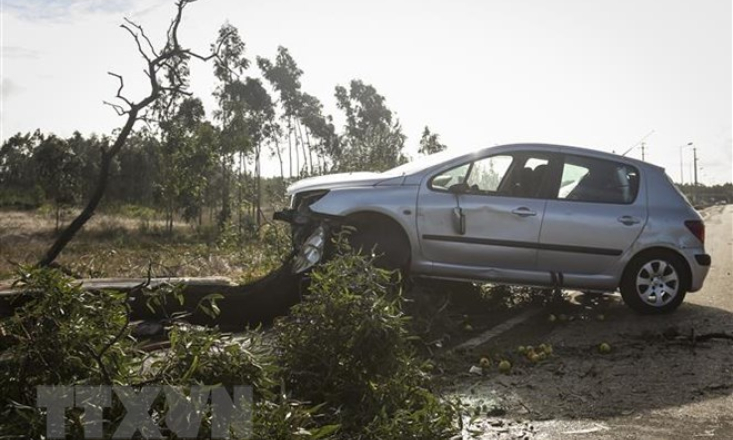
column 643, row 144
column 694, row 156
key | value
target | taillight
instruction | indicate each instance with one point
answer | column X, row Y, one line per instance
column 697, row 227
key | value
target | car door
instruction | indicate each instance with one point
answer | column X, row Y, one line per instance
column 597, row 214
column 486, row 213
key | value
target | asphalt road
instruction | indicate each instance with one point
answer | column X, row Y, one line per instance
column 666, row 377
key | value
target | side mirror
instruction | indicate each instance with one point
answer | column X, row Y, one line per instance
column 458, row 188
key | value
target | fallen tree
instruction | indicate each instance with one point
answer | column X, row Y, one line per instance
column 239, row 306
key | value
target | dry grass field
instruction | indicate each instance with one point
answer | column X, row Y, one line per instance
column 125, row 246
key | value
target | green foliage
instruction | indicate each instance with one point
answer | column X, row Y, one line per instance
column 347, row 346
column 284, row 75
column 345, row 349
column 429, row 143
column 372, row 139
column 21, row 198
column 63, row 335
column 205, row 356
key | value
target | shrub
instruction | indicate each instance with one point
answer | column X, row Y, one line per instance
column 346, row 369
column 347, row 345
column 204, row 356
column 63, row 335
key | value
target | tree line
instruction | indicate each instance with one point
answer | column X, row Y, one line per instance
column 185, row 164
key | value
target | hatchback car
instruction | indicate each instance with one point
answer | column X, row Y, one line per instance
column 529, row 214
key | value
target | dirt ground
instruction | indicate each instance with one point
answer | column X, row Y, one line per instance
column 666, row 377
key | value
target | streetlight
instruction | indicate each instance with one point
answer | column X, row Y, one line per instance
column 682, row 174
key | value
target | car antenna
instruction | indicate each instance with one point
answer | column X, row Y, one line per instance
column 641, row 141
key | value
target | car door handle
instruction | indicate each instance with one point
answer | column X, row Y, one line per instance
column 523, row 212
column 628, row 220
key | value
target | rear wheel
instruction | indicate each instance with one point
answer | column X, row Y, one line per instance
column 654, row 283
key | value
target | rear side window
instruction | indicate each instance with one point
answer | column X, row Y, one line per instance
column 587, row 179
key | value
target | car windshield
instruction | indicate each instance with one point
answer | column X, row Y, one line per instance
column 423, row 163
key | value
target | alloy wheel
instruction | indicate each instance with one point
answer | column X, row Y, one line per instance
column 657, row 283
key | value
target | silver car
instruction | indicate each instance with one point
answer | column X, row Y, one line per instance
column 529, row 214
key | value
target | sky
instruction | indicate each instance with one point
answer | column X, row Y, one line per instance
column 602, row 74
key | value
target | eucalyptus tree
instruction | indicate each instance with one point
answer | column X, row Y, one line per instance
column 186, row 157
column 139, row 170
column 58, row 171
column 88, row 150
column 284, row 76
column 18, row 173
column 261, row 126
column 430, row 143
column 321, row 128
column 372, row 137
column 228, row 68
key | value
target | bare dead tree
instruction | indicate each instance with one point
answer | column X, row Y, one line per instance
column 167, row 72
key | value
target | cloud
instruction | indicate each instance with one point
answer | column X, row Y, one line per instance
column 64, row 10
column 18, row 52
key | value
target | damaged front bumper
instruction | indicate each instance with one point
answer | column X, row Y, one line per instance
column 309, row 235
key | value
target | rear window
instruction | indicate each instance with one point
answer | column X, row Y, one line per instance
column 587, row 179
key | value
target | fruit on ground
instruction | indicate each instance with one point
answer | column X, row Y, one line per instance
column 505, row 366
column 604, row 348
column 485, row 362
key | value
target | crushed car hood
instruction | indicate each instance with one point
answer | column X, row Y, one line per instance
column 340, row 180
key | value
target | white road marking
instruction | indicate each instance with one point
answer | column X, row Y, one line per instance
column 498, row 330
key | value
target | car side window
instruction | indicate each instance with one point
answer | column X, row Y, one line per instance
column 526, row 177
column 515, row 175
column 487, row 174
column 586, row 179
column 453, row 176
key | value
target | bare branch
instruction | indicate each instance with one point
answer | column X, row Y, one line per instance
column 137, row 41
column 142, row 34
column 176, row 22
column 121, row 111
column 119, row 90
column 201, row 57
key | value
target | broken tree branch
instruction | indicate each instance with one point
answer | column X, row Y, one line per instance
column 163, row 71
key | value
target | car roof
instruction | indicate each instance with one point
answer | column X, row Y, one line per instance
column 571, row 150
column 454, row 158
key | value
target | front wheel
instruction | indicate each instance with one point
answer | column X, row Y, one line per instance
column 382, row 239
column 654, row 283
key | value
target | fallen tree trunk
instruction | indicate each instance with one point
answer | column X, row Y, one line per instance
column 245, row 305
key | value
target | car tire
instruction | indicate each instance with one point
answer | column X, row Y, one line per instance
column 654, row 283
column 382, row 241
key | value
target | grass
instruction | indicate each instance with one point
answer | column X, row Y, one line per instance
column 127, row 245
